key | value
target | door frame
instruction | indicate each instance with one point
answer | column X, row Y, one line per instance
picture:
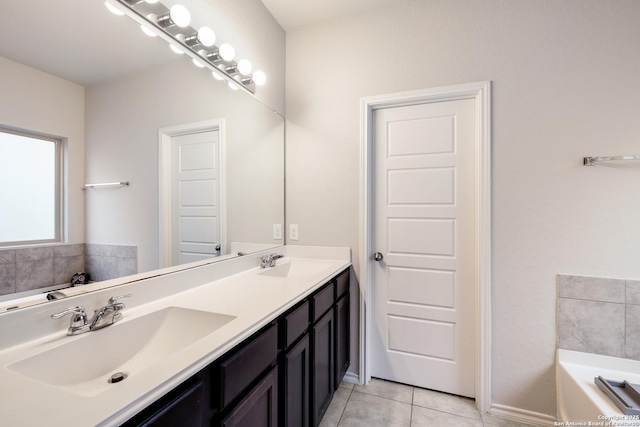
column 164, row 180
column 481, row 93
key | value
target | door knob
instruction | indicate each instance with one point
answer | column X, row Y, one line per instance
column 377, row 256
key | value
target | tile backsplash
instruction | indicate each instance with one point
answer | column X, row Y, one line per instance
column 26, row 269
column 599, row 315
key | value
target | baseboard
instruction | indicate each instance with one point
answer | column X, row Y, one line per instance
column 522, row 415
column 352, row 378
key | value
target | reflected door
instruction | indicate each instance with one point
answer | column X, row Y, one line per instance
column 424, row 230
column 195, row 194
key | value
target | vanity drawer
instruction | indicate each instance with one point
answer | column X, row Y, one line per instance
column 295, row 324
column 342, row 284
column 322, row 301
column 247, row 364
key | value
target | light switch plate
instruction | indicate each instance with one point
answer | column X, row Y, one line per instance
column 277, row 231
column 293, row 231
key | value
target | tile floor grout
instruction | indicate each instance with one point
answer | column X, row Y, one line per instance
column 382, row 403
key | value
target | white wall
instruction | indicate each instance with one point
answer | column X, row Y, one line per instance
column 122, row 122
column 36, row 101
column 565, row 85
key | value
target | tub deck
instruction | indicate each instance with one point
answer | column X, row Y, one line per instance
column 580, row 399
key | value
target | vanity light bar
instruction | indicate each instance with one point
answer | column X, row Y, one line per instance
column 172, row 25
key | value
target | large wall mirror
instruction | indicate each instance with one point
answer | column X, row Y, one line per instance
column 129, row 109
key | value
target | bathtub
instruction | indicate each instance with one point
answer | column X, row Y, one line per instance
column 580, row 401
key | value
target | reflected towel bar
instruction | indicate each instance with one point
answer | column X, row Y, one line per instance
column 108, row 184
column 591, row 161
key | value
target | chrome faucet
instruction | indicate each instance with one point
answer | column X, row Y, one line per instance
column 269, row 260
column 103, row 317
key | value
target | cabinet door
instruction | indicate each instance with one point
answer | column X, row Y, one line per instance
column 259, row 408
column 186, row 410
column 323, row 366
column 296, row 389
column 342, row 339
column 246, row 364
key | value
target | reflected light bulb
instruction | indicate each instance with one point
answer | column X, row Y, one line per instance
column 206, row 36
column 233, row 86
column 227, row 52
column 180, row 15
column 147, row 31
column 217, row 75
column 151, row 1
column 259, row 78
column 175, row 49
column 244, row 67
column 113, row 9
column 197, row 63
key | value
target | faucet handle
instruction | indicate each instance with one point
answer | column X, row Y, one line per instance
column 113, row 300
column 77, row 309
column 78, row 319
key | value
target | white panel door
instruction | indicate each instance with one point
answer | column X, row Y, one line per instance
column 195, row 191
column 423, row 293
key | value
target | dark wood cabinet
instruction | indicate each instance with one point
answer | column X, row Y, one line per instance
column 322, row 334
column 296, row 387
column 282, row 376
column 342, row 339
column 183, row 406
column 259, row 408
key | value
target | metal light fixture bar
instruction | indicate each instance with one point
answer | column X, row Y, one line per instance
column 147, row 14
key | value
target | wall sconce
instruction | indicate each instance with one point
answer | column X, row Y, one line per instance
column 172, row 24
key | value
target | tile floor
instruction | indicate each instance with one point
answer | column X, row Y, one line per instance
column 387, row 404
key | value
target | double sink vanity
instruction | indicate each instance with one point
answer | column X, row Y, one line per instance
column 230, row 344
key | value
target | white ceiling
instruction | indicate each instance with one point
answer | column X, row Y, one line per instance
column 80, row 41
column 299, row 13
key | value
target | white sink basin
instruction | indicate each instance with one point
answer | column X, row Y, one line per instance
column 85, row 364
column 295, row 269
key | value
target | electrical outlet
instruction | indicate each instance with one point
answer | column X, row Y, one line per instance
column 277, row 231
column 293, row 231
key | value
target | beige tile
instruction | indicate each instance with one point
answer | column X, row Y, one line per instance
column 443, row 402
column 493, row 421
column 336, row 408
column 592, row 288
column 387, row 389
column 347, row 385
column 365, row 410
column 423, row 417
column 592, row 327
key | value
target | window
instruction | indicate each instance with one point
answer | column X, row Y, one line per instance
column 30, row 188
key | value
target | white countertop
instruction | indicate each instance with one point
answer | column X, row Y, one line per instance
column 254, row 302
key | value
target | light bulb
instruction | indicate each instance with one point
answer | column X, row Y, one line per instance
column 227, row 52
column 244, row 67
column 151, row 1
column 175, row 49
column 233, row 86
column 259, row 78
column 147, row 31
column 180, row 15
column 217, row 75
column 198, row 63
column 206, row 36
column 113, row 9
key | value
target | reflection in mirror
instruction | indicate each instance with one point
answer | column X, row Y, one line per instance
column 111, row 96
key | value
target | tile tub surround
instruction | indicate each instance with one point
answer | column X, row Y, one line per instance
column 26, row 269
column 599, row 316
column 105, row 262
